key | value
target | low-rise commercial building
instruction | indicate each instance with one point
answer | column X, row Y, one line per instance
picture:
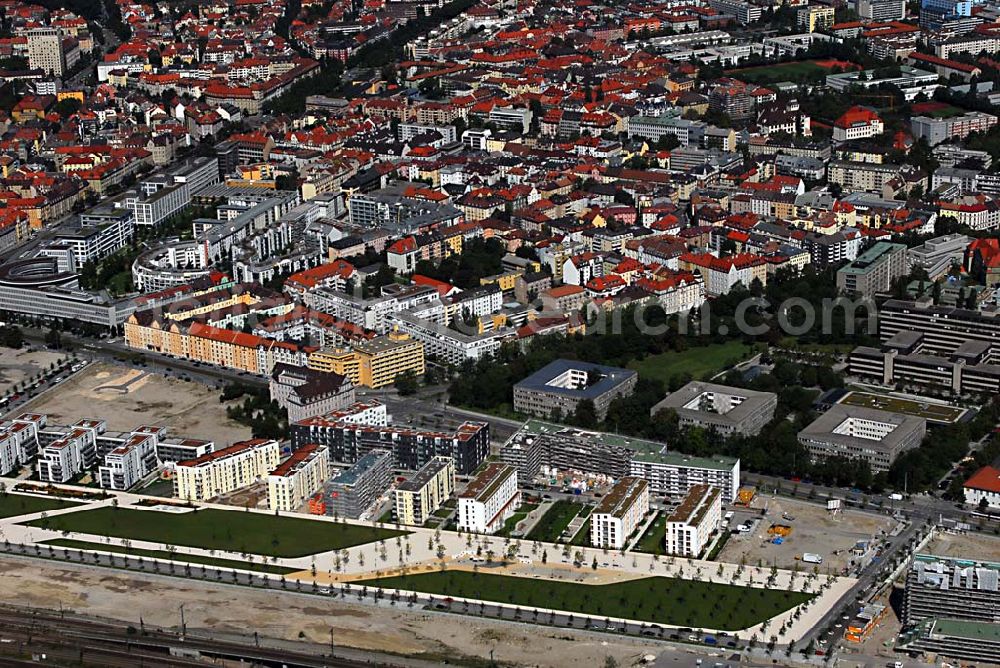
column 727, row 410
column 557, row 389
column 225, row 470
column 297, row 478
column 691, row 526
column 489, row 500
column 416, row 499
column 619, row 514
column 855, row 432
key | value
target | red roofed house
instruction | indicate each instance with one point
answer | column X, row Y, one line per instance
column 403, row 255
column 721, row 274
column 982, row 261
column 857, row 123
column 983, row 486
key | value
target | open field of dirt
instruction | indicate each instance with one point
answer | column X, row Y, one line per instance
column 968, row 546
column 157, row 599
column 128, row 398
column 813, row 530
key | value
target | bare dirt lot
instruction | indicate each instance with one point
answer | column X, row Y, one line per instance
column 969, row 546
column 16, row 366
column 813, row 530
column 128, row 398
column 118, row 595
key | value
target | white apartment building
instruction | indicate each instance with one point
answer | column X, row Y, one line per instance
column 416, row 499
column 129, row 463
column 690, row 527
column 67, row 457
column 226, row 470
column 619, row 513
column 297, row 478
column 18, row 442
column 489, row 500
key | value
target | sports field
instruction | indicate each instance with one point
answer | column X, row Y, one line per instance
column 929, row 411
column 799, row 70
column 658, row 600
column 212, row 529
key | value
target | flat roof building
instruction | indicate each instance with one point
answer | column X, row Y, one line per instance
column 416, row 499
column 355, row 490
column 953, row 588
column 691, row 526
column 874, row 436
column 226, row 470
column 489, row 500
column 874, row 270
column 557, row 389
column 728, row 410
column 619, row 514
column 290, row 486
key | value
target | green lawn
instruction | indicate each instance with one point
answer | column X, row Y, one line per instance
column 658, row 600
column 700, row 362
column 582, row 536
column 513, row 520
column 550, row 527
column 177, row 556
column 794, row 71
column 14, row 505
column 212, row 529
column 652, row 541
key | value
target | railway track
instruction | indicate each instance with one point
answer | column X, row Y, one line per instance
column 28, row 635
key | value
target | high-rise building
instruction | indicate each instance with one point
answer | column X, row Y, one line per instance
column 45, row 51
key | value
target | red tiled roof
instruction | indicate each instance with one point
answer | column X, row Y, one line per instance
column 986, row 479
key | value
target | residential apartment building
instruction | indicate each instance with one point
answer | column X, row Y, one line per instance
column 691, row 526
column 126, row 465
column 225, row 470
column 355, row 490
column 489, row 500
column 298, row 478
column 937, row 130
column 68, row 456
column 415, row 500
column 45, row 51
column 874, row 271
column 349, row 439
column 374, row 363
column 619, row 514
column 674, row 474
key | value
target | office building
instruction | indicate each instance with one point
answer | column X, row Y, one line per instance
column 225, row 470
column 619, row 514
column 293, row 483
column 558, row 388
column 945, row 329
column 727, row 410
column 45, row 51
column 355, row 490
column 874, row 271
column 954, row 639
column 938, row 255
column 306, row 393
column 349, row 439
column 881, row 10
column 489, row 500
column 691, row 526
column 952, row 588
column 416, row 499
column 855, row 432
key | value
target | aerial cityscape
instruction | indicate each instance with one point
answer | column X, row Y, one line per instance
column 500, row 333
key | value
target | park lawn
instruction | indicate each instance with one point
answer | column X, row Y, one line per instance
column 653, row 540
column 658, row 600
column 582, row 536
column 212, row 529
column 700, row 362
column 176, row 556
column 550, row 527
column 14, row 505
column 793, row 71
column 513, row 520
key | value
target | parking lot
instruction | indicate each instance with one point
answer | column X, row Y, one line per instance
column 17, row 366
column 812, row 530
column 128, row 398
